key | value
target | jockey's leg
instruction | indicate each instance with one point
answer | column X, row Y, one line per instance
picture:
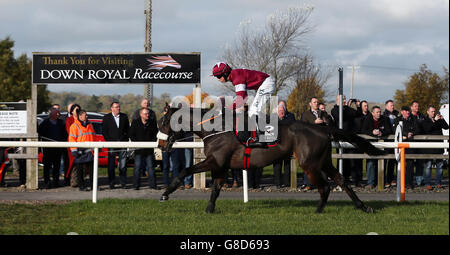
column 254, row 141
column 258, row 106
column 262, row 97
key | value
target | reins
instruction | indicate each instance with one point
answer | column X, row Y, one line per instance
column 210, row 135
column 218, row 133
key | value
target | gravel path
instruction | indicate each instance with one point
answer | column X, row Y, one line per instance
column 16, row 194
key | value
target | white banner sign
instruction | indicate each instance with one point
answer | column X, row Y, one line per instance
column 13, row 118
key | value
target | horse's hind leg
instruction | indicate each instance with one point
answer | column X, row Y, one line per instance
column 218, row 183
column 339, row 180
column 320, row 181
column 324, row 192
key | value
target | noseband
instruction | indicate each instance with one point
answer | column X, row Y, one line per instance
column 162, row 136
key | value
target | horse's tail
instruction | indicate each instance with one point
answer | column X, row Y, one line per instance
column 359, row 142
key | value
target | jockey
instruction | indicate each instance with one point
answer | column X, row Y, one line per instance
column 243, row 80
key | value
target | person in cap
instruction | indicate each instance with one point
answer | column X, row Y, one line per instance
column 391, row 114
column 81, row 131
column 409, row 129
column 244, row 80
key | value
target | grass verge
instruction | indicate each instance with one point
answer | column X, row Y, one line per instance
column 232, row 217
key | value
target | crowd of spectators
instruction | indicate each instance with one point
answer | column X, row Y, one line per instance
column 379, row 124
column 116, row 126
column 77, row 163
column 359, row 118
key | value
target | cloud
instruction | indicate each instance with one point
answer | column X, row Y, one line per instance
column 385, row 33
column 368, row 85
column 72, row 25
column 381, row 49
column 407, row 10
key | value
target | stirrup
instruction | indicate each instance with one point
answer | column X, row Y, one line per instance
column 255, row 144
column 249, row 140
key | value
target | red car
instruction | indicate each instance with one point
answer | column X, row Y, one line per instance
column 97, row 119
column 103, row 152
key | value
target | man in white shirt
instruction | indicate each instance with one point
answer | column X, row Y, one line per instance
column 115, row 128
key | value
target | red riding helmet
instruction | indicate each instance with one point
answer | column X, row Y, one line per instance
column 221, row 68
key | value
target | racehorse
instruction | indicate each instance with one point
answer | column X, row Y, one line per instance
column 310, row 144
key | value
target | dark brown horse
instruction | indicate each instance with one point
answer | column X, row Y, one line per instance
column 310, row 144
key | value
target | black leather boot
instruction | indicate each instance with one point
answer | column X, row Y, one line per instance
column 256, row 143
column 253, row 142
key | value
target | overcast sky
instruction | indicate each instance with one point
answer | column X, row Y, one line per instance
column 388, row 39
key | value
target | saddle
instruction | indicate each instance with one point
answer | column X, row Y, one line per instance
column 247, row 137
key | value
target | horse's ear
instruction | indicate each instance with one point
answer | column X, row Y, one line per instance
column 180, row 106
column 167, row 105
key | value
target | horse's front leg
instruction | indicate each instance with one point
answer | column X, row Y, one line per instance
column 218, row 183
column 197, row 168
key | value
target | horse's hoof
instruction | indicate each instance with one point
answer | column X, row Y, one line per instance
column 163, row 198
column 318, row 211
column 368, row 209
column 209, row 209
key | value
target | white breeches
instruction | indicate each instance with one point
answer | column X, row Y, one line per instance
column 262, row 96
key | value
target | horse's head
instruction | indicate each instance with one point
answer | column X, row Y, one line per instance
column 166, row 136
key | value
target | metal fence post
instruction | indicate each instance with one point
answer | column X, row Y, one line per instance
column 398, row 139
column 402, row 179
column 380, row 172
column 341, row 116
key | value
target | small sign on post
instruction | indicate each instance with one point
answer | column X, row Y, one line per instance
column 13, row 118
column 16, row 121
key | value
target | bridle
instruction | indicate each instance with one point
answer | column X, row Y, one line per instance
column 170, row 137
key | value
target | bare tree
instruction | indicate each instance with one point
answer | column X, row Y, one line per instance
column 276, row 49
column 309, row 69
column 311, row 82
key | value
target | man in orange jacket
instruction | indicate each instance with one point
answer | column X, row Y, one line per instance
column 82, row 131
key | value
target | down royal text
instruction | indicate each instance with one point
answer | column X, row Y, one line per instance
column 111, row 75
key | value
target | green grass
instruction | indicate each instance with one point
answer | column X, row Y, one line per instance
column 232, row 217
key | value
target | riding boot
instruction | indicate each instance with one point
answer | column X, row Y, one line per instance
column 256, row 143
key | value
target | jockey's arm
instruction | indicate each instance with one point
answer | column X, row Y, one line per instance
column 239, row 101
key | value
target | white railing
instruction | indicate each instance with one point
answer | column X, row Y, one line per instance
column 96, row 146
column 137, row 145
column 394, row 145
